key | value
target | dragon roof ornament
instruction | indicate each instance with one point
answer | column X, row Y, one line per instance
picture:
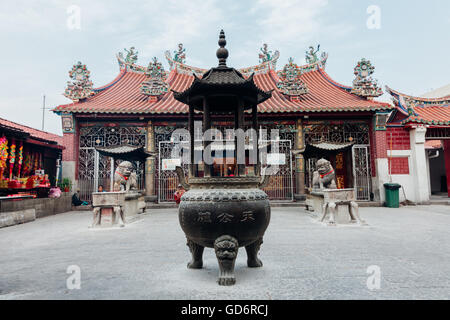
column 363, row 84
column 313, row 62
column 267, row 61
column 81, row 86
column 155, row 84
column 265, row 54
column 179, row 56
column 177, row 62
column 129, row 60
column 290, row 83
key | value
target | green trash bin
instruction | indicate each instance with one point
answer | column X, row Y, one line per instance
column 392, row 198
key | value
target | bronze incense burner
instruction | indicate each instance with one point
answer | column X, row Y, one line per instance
column 228, row 211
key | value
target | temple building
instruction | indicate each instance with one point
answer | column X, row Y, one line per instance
column 315, row 115
column 418, row 139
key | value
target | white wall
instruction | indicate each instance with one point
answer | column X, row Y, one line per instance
column 405, row 180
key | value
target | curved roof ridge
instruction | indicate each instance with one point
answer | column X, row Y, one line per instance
column 442, row 99
column 111, row 83
column 333, row 82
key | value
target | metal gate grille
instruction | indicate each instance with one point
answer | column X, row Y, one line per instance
column 280, row 185
column 361, row 171
column 167, row 179
column 95, row 169
column 310, row 168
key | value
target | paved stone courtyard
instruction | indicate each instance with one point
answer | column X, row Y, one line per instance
column 302, row 258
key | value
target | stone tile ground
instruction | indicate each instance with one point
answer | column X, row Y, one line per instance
column 303, row 259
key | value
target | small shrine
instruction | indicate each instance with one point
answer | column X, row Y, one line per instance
column 29, row 160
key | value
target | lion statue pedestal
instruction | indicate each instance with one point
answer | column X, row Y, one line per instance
column 338, row 204
column 115, row 209
column 121, row 206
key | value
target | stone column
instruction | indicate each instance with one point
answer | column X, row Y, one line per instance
column 70, row 155
column 380, row 155
column 150, row 165
column 299, row 162
column 419, row 164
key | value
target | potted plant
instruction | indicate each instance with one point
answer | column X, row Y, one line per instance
column 65, row 185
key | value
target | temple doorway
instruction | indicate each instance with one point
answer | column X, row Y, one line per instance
column 350, row 162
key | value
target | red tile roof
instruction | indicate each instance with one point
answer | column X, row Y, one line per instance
column 123, row 96
column 430, row 111
column 431, row 115
column 34, row 133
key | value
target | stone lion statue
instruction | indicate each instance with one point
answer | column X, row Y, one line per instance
column 324, row 177
column 124, row 177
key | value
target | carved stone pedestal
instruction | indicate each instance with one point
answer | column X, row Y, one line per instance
column 115, row 209
column 339, row 205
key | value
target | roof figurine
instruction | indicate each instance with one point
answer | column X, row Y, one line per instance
column 265, row 54
column 363, row 84
column 131, row 57
column 290, row 83
column 129, row 61
column 81, row 86
column 311, row 55
column 180, row 55
column 155, row 84
column 313, row 62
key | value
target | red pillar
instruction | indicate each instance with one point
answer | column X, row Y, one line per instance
column 447, row 163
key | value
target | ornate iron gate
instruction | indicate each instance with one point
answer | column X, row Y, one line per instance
column 310, row 168
column 361, row 171
column 167, row 176
column 95, row 169
column 280, row 186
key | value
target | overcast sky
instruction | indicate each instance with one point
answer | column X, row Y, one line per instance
column 409, row 44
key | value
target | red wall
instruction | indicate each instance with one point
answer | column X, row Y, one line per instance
column 400, row 138
column 69, row 142
column 399, row 165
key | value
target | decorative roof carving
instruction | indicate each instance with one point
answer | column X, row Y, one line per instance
column 178, row 60
column 290, row 83
column 265, row 54
column 311, row 55
column 129, row 60
column 81, row 86
column 263, row 67
column 363, row 84
column 313, row 62
column 155, row 84
column 131, row 57
column 180, row 54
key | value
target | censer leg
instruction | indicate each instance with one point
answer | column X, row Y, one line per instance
column 226, row 248
column 197, row 255
column 252, row 254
